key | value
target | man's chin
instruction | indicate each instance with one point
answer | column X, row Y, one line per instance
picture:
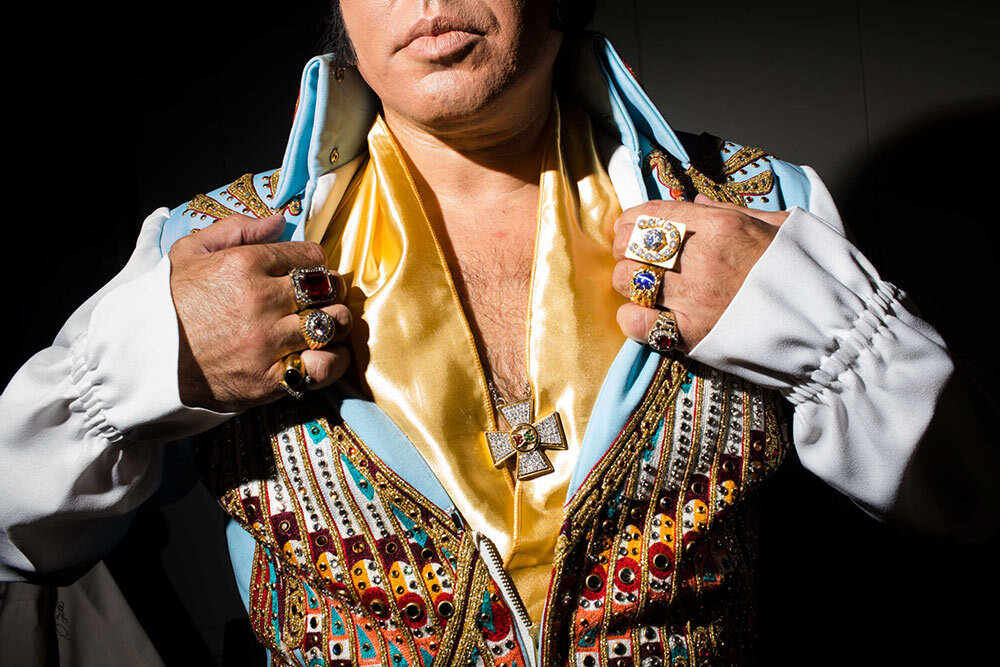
column 448, row 104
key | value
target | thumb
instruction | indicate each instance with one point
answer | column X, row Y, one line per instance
column 237, row 230
column 774, row 218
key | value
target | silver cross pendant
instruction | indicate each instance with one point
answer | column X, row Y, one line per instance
column 526, row 440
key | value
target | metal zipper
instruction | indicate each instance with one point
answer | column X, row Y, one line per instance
column 522, row 622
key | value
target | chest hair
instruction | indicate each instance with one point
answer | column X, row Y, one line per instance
column 494, row 281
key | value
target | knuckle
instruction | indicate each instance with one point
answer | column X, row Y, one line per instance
column 636, row 321
column 322, row 372
column 658, row 208
column 179, row 248
column 728, row 222
column 621, row 275
column 239, row 261
column 342, row 316
column 325, row 366
column 314, row 253
column 621, row 240
column 643, row 320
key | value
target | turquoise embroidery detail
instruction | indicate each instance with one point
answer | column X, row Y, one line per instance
column 359, row 479
column 418, row 535
column 272, row 577
column 396, row 657
column 365, row 644
column 486, row 611
column 316, row 432
column 647, row 452
column 686, row 385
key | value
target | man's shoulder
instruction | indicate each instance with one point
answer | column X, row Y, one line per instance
column 250, row 194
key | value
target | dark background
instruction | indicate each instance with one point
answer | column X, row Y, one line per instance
column 894, row 103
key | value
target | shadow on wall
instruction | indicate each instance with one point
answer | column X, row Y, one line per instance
column 833, row 582
column 931, row 224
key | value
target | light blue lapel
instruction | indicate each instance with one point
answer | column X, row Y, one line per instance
column 335, row 110
column 609, row 92
column 387, row 441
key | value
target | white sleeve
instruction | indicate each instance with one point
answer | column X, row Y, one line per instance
column 882, row 412
column 85, row 420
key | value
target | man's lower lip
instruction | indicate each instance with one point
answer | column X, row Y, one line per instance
column 433, row 47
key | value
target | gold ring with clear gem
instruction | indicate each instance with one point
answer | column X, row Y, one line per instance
column 655, row 241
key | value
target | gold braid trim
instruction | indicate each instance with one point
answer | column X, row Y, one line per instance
column 244, row 191
column 272, row 182
column 717, row 183
column 606, row 478
column 616, row 464
column 277, row 470
column 741, row 158
column 671, row 488
column 206, row 206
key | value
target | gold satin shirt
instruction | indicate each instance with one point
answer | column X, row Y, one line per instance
column 414, row 348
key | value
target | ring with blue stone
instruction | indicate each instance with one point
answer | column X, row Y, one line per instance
column 645, row 285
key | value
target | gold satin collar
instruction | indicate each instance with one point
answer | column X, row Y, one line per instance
column 416, row 354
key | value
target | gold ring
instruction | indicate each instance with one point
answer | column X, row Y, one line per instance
column 664, row 336
column 645, row 285
column 655, row 241
column 314, row 286
column 293, row 376
column 317, row 327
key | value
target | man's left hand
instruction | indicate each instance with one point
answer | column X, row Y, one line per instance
column 720, row 246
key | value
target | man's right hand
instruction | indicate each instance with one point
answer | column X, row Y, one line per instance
column 237, row 314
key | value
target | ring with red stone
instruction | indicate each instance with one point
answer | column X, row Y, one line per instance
column 314, row 286
column 664, row 337
column 317, row 327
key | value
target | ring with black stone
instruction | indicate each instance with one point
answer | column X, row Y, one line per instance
column 293, row 376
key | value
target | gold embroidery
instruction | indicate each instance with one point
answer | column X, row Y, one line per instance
column 666, row 514
column 698, row 441
column 272, row 182
column 294, row 205
column 717, row 183
column 295, row 616
column 286, row 508
column 459, row 637
column 667, row 168
column 741, row 158
column 208, row 207
column 244, row 191
column 607, row 475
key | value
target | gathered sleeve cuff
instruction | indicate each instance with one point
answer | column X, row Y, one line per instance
column 869, row 380
column 85, row 420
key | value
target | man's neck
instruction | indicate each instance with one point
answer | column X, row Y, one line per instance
column 480, row 187
column 475, row 161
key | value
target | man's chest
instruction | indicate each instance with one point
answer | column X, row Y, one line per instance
column 492, row 269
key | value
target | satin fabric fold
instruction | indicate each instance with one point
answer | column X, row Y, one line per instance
column 415, row 354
